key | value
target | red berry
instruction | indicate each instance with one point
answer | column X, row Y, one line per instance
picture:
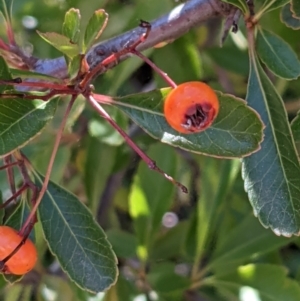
column 191, row 107
column 24, row 259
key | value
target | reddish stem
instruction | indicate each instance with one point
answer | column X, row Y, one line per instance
column 29, row 184
column 104, row 99
column 115, row 56
column 164, row 75
column 10, row 33
column 46, row 85
column 151, row 164
column 50, row 165
column 8, row 165
column 14, row 196
column 3, row 45
column 10, row 174
column 44, row 97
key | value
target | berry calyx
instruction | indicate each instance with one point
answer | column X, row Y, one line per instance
column 191, row 107
column 23, row 260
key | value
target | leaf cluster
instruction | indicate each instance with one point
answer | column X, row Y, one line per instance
column 168, row 245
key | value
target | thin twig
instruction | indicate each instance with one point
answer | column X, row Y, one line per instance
column 50, row 165
column 10, row 174
column 14, row 196
column 151, row 164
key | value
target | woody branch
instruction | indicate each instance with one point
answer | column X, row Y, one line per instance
column 165, row 28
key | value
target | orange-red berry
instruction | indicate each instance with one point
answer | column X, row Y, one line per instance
column 191, row 107
column 24, row 259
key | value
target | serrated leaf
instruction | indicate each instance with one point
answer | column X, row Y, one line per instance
column 61, row 43
column 95, row 27
column 272, row 175
column 21, row 120
column 238, row 3
column 267, row 282
column 295, row 7
column 277, row 55
column 295, row 125
column 71, row 25
column 77, row 240
column 288, row 19
column 230, row 135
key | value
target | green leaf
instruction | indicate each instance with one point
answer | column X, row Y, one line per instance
column 40, row 152
column 277, row 55
column 140, row 213
column 169, row 243
column 239, row 4
column 99, row 128
column 268, row 282
column 74, row 66
column 185, row 53
column 71, row 25
column 295, row 7
column 163, row 279
column 124, row 243
column 270, row 5
column 21, row 120
column 160, row 201
column 95, row 27
column 15, row 293
column 75, row 112
column 117, row 77
column 58, row 286
column 295, row 125
column 2, row 213
column 100, row 159
column 5, row 10
column 25, row 74
column 288, row 19
column 77, row 240
column 272, row 175
column 220, row 175
column 147, row 208
column 230, row 135
column 19, row 216
column 246, row 240
column 126, row 290
column 4, row 75
column 61, row 43
column 230, row 58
